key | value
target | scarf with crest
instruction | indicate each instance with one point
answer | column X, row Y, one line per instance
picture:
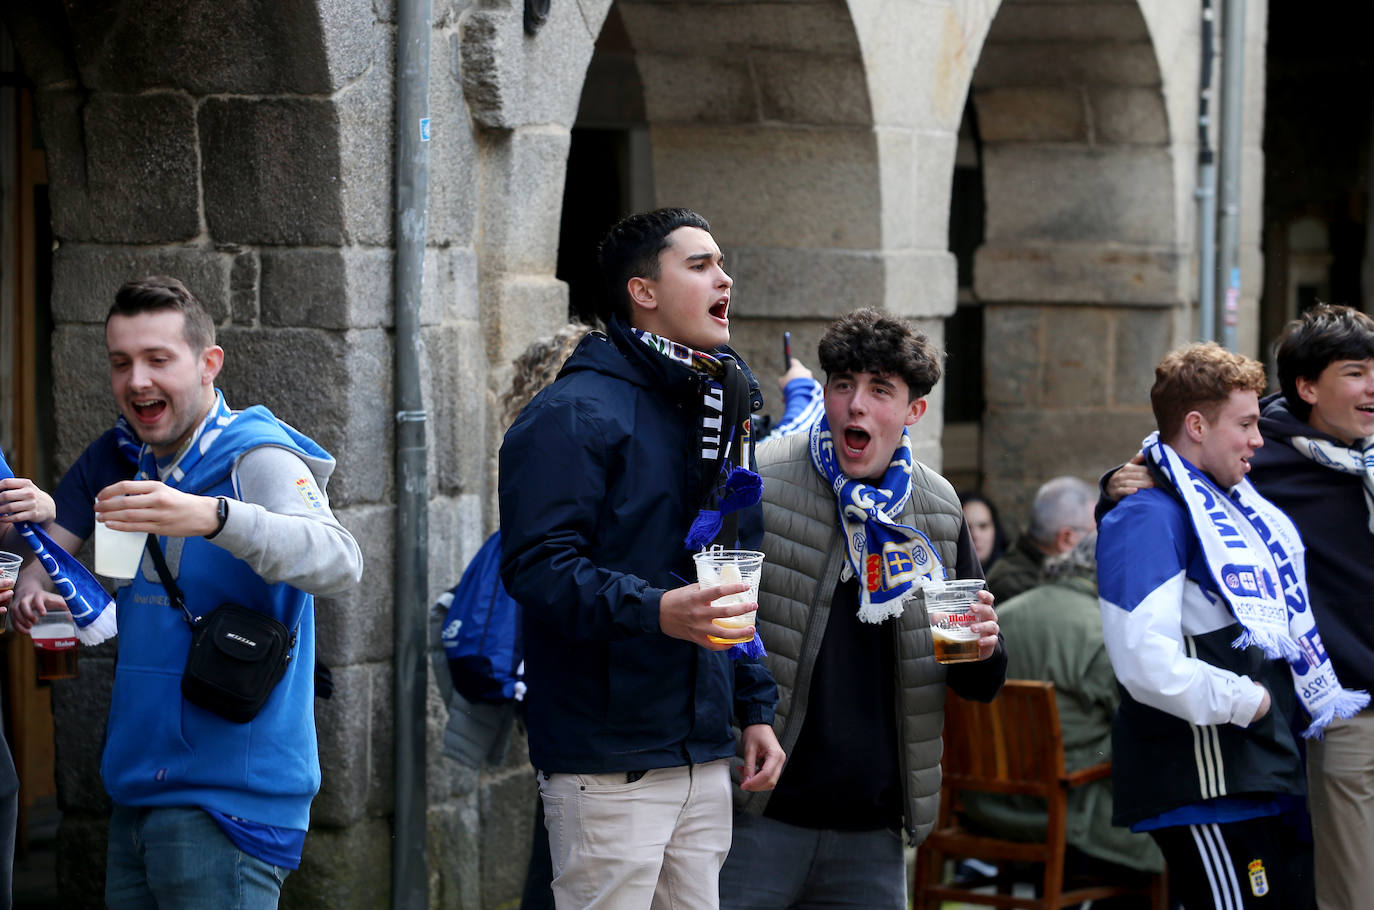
column 724, row 447
column 1255, row 556
column 891, row 560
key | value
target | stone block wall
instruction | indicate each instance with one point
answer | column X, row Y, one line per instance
column 248, row 152
column 819, row 137
column 1068, row 392
column 1087, row 153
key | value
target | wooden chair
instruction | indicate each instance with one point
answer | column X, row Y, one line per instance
column 1012, row 745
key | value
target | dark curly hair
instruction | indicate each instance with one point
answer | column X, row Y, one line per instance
column 870, row 341
column 1308, row 345
column 630, row 250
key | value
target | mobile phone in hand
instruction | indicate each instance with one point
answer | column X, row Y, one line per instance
column 786, row 351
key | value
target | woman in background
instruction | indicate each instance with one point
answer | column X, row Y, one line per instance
column 989, row 540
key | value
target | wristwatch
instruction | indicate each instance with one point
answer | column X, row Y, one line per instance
column 221, row 514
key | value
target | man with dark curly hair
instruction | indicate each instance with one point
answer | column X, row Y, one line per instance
column 853, row 527
column 1319, row 468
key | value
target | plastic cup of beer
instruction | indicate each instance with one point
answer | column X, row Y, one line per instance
column 723, row 567
column 118, row 553
column 54, row 645
column 9, row 569
column 949, row 605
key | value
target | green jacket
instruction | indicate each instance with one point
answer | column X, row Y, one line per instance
column 1054, row 633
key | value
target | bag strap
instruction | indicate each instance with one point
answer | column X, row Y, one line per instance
column 179, row 602
column 173, row 592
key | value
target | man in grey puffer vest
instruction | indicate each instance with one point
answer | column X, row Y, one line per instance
column 861, row 697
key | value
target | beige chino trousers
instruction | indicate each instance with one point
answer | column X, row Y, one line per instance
column 653, row 844
column 1340, row 787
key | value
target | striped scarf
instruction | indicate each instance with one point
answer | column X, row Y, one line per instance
column 724, row 442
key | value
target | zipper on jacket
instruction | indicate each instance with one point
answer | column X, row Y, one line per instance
column 817, row 618
column 903, row 764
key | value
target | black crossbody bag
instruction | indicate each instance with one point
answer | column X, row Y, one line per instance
column 237, row 655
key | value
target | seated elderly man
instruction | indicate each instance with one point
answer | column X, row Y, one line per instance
column 1061, row 513
column 1057, row 629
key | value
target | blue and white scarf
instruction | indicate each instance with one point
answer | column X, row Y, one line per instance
column 1255, row 555
column 891, row 559
column 724, row 445
column 1357, row 459
column 90, row 606
column 126, row 441
column 219, row 416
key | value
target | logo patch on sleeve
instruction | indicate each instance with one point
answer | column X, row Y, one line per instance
column 1259, row 882
column 306, row 487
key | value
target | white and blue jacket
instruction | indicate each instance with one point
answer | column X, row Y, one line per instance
column 1182, row 737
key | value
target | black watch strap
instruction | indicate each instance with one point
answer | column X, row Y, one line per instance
column 222, row 514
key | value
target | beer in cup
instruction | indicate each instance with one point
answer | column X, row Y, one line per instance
column 723, row 567
column 949, row 605
column 9, row 569
column 54, row 644
column 118, row 553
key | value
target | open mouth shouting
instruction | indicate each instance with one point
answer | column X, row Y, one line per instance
column 856, row 442
column 720, row 310
column 149, row 410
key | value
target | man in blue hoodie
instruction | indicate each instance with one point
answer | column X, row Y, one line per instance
column 207, row 812
column 634, row 458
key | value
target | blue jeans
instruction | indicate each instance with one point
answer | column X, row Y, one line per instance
column 773, row 865
column 174, row 858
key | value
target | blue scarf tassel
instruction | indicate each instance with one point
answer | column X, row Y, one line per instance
column 743, row 488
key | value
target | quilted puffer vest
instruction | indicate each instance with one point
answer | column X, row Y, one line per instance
column 805, row 554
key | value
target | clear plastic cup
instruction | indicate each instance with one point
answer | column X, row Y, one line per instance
column 723, row 567
column 55, row 644
column 118, row 553
column 9, row 574
column 949, row 606
column 9, row 568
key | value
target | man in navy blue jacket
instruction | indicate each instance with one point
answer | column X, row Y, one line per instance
column 604, row 477
column 1319, row 468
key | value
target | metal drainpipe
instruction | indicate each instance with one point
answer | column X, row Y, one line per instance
column 1206, row 193
column 1232, row 106
column 409, row 868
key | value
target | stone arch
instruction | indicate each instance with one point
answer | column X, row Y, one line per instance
column 1084, row 273
column 758, row 115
